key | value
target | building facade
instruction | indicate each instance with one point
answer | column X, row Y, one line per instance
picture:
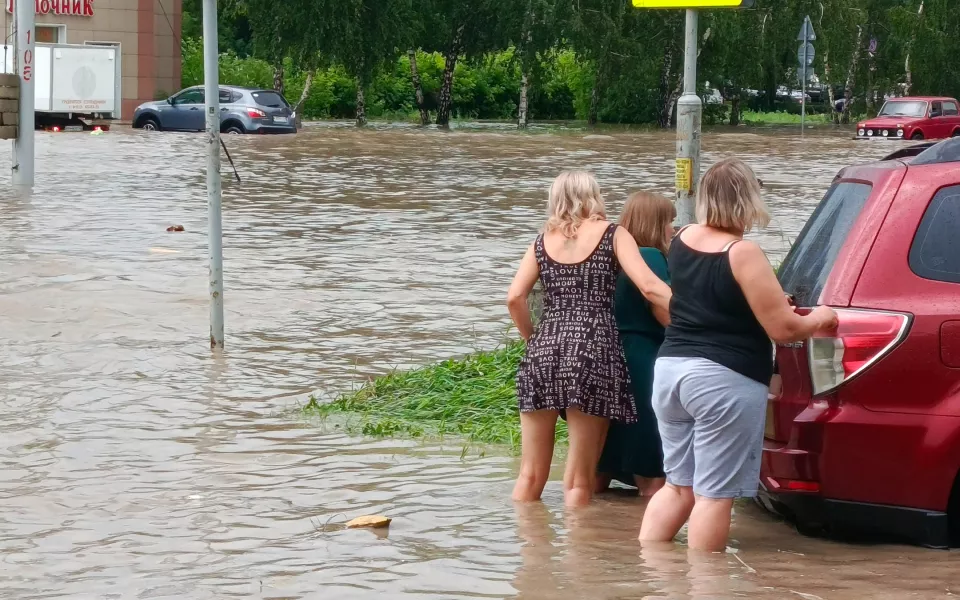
column 146, row 31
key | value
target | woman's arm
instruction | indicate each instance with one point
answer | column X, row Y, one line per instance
column 658, row 264
column 770, row 305
column 653, row 289
column 520, row 289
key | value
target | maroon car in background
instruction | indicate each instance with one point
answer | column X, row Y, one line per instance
column 863, row 434
column 913, row 118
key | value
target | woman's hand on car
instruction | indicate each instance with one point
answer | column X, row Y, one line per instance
column 826, row 318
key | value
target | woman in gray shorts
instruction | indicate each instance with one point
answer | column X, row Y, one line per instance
column 714, row 368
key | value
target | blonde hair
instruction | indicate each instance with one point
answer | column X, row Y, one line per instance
column 646, row 216
column 729, row 198
column 574, row 198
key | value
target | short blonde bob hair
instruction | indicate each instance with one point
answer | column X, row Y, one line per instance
column 646, row 216
column 729, row 198
column 574, row 198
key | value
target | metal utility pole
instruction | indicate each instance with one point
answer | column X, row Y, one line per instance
column 689, row 106
column 211, row 77
column 25, row 64
column 689, row 120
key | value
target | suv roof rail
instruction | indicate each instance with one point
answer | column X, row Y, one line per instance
column 910, row 152
column 945, row 152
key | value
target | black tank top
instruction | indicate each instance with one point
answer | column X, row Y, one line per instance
column 710, row 317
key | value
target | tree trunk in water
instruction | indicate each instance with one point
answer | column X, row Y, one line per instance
column 522, row 114
column 851, row 77
column 908, row 83
column 834, row 115
column 418, row 88
column 361, row 106
column 664, row 106
column 735, row 111
column 446, row 88
column 908, row 77
column 523, row 108
column 278, row 76
column 871, row 87
column 311, row 74
column 594, row 116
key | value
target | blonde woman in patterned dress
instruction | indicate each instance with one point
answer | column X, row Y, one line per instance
column 574, row 364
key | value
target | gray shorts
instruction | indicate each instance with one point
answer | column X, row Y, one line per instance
column 711, row 422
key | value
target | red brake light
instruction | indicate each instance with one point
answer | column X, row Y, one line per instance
column 256, row 113
column 862, row 338
column 55, row 129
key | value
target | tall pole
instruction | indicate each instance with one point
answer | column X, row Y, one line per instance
column 26, row 68
column 214, row 191
column 689, row 118
column 803, row 94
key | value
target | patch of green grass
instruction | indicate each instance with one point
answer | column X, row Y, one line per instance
column 473, row 398
column 782, row 118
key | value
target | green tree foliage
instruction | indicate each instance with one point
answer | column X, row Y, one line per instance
column 598, row 60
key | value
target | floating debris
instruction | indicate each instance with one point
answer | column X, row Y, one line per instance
column 371, row 521
column 175, row 228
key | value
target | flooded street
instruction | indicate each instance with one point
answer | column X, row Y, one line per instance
column 135, row 464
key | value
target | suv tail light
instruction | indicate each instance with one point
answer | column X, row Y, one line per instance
column 862, row 338
column 256, row 113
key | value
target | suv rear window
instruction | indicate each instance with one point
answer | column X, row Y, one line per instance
column 935, row 253
column 805, row 271
column 269, row 99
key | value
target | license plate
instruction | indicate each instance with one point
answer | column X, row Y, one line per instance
column 283, row 120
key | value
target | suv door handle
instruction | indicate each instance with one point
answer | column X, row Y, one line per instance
column 195, row 108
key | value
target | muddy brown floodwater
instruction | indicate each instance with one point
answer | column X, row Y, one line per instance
column 134, row 464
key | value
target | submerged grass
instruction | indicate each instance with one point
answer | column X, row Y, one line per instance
column 472, row 398
column 752, row 118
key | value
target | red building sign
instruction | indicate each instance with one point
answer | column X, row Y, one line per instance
column 76, row 8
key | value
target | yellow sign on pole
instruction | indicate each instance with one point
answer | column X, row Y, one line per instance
column 693, row 3
column 685, row 174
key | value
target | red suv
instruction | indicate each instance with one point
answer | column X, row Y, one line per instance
column 863, row 434
column 913, row 118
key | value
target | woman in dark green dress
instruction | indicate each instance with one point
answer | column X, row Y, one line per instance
column 632, row 453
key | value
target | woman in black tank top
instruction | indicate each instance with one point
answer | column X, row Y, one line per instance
column 710, row 317
column 716, row 362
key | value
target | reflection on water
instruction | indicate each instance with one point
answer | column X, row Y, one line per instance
column 133, row 464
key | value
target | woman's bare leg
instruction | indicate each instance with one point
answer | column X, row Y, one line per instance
column 666, row 513
column 710, row 524
column 538, row 432
column 602, row 483
column 648, row 486
column 579, row 478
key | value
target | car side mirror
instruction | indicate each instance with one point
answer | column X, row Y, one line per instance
column 170, row 101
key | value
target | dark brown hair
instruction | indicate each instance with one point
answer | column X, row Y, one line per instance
column 646, row 216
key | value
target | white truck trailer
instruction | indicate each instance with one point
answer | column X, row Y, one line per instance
column 77, row 86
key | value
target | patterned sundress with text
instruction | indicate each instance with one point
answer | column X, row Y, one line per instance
column 575, row 358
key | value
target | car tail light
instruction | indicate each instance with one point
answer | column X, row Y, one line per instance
column 862, row 338
column 256, row 113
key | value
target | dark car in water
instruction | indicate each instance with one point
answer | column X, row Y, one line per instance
column 863, row 429
column 242, row 110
